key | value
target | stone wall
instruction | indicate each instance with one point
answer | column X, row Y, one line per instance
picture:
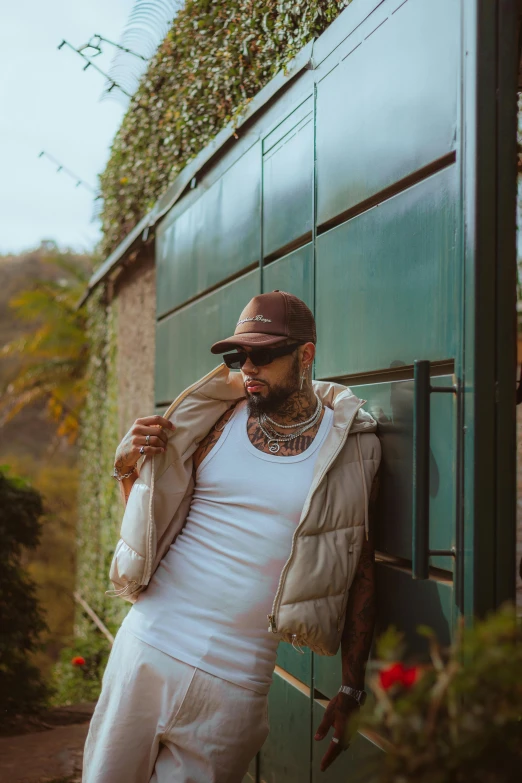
column 135, row 293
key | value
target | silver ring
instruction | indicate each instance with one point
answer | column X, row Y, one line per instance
column 142, row 450
column 334, row 739
column 147, row 440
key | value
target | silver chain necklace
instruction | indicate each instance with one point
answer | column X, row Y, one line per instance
column 319, row 406
column 276, row 438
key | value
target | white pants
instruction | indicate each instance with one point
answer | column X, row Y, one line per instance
column 161, row 720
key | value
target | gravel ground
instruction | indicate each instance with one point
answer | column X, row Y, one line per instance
column 48, row 749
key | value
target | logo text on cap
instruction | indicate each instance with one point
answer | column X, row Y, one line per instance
column 256, row 318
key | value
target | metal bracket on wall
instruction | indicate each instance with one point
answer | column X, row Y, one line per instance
column 421, row 470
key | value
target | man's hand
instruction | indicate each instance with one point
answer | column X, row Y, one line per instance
column 128, row 451
column 341, row 711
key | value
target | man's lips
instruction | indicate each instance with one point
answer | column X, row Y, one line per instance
column 254, row 386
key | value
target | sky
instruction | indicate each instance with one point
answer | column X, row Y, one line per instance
column 47, row 102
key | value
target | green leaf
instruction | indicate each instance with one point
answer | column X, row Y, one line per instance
column 425, row 630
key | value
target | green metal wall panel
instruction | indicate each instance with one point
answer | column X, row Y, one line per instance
column 288, row 181
column 292, row 273
column 506, row 293
column 287, row 124
column 359, row 764
column 388, row 282
column 407, row 604
column 390, row 107
column 489, row 364
column 327, row 674
column 285, row 756
column 183, row 339
column 216, row 237
column 391, row 404
column 298, row 664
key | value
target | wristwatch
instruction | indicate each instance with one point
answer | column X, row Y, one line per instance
column 359, row 696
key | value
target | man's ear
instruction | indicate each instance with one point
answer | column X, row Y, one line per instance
column 308, row 353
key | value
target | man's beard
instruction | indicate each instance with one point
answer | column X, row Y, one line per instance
column 277, row 395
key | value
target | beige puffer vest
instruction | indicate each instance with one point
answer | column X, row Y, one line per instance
column 311, row 599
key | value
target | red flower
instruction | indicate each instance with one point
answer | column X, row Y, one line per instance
column 78, row 661
column 406, row 676
column 409, row 676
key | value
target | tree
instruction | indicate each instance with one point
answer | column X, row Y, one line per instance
column 21, row 623
column 53, row 357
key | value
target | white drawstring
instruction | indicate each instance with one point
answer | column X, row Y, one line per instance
column 365, row 488
column 129, row 588
column 296, row 645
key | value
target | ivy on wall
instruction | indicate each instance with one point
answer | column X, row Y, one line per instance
column 99, row 508
column 99, row 501
column 216, row 57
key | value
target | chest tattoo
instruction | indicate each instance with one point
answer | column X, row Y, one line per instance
column 290, row 449
column 257, row 438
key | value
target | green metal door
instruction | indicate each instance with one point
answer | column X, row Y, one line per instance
column 379, row 186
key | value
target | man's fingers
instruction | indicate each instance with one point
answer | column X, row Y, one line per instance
column 335, row 748
column 154, row 429
column 156, row 438
column 157, row 421
column 141, row 429
column 152, row 450
column 136, row 453
column 324, row 727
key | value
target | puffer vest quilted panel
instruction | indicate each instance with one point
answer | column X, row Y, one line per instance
column 313, row 589
column 312, row 602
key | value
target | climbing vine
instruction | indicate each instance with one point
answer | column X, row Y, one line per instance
column 214, row 59
column 100, row 508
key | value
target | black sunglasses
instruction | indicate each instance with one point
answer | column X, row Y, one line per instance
column 258, row 356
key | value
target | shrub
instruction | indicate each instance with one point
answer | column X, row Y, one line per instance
column 458, row 719
column 78, row 674
column 21, row 622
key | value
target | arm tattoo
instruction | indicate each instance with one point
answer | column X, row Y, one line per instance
column 210, row 440
column 361, row 610
column 122, row 461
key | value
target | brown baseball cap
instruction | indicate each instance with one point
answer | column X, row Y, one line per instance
column 269, row 319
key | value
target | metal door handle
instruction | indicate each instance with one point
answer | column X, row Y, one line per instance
column 421, row 469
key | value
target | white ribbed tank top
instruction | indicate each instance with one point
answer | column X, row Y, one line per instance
column 207, row 603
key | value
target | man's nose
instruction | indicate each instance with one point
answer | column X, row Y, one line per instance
column 249, row 368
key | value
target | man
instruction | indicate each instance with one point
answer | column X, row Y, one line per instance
column 246, row 523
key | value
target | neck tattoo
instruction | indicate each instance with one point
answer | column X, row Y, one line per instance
column 274, row 438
